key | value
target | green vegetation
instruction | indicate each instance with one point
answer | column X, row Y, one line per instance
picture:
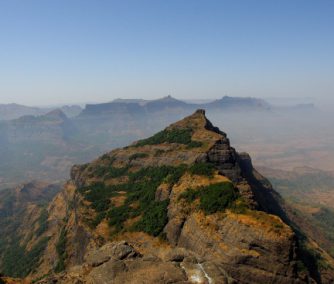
column 324, row 220
column 61, row 251
column 213, row 198
column 108, row 158
column 17, row 258
column 301, row 266
column 109, row 171
column 194, row 144
column 97, row 220
column 154, row 218
column 140, row 190
column 176, row 135
column 325, row 217
column 42, row 222
column 118, row 215
column 312, row 259
column 175, row 173
column 202, row 169
column 18, row 262
column 240, row 206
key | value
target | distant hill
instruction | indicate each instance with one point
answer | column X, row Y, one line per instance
column 13, row 111
column 239, row 103
column 47, row 145
column 37, row 147
column 172, row 105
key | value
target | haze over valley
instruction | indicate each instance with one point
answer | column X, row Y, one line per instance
column 166, row 142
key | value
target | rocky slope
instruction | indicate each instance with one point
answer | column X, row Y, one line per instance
column 179, row 207
column 23, row 223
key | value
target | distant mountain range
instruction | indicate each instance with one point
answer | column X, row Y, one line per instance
column 141, row 106
column 13, row 111
column 45, row 143
column 169, row 103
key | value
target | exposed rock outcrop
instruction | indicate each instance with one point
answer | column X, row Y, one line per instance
column 179, row 207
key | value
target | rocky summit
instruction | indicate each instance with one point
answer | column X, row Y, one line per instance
column 182, row 206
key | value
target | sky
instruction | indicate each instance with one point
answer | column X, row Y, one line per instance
column 76, row 51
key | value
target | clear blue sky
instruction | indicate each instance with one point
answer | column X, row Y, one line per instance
column 65, row 51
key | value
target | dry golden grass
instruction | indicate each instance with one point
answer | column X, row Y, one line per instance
column 103, row 229
column 144, row 243
column 270, row 224
column 114, row 181
column 194, row 181
column 119, row 200
column 131, row 221
column 9, row 280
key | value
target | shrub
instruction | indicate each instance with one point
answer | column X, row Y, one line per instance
column 17, row 262
column 189, row 195
column 35, row 253
column 176, row 135
column 240, row 206
column 175, row 174
column 202, row 169
column 99, row 171
column 117, row 172
column 213, row 198
column 61, row 251
column 109, row 171
column 117, row 216
column 194, row 144
column 154, row 218
column 140, row 188
column 97, row 220
column 42, row 222
column 217, row 197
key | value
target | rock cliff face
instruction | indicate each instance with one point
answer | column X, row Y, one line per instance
column 179, row 207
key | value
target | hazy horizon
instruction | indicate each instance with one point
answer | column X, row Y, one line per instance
column 324, row 104
column 82, row 51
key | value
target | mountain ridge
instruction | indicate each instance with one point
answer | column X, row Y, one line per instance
column 169, row 102
column 181, row 205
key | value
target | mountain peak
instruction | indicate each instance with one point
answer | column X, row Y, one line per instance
column 183, row 195
column 168, row 98
column 195, row 120
column 188, row 186
column 199, row 123
column 187, row 137
column 200, row 111
column 56, row 114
